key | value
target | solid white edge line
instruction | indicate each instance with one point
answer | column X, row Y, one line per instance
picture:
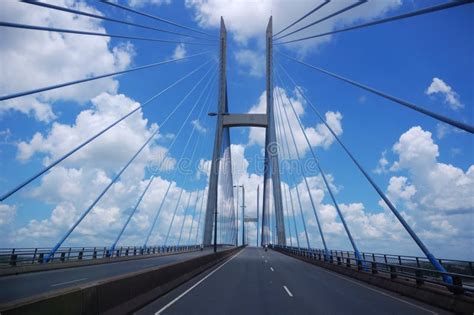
column 287, row 291
column 67, row 282
column 379, row 291
column 195, row 285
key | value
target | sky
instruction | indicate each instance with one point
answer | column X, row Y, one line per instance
column 425, row 167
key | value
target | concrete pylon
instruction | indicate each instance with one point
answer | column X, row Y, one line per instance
column 226, row 120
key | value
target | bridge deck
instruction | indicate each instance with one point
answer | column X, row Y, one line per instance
column 259, row 282
column 29, row 284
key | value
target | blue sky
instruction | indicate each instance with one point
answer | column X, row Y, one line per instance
column 427, row 168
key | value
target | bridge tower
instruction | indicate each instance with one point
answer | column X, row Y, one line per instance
column 226, row 120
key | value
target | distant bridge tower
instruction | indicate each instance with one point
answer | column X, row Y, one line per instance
column 225, row 120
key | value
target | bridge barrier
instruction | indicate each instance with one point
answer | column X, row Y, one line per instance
column 426, row 285
column 117, row 295
column 23, row 260
column 455, row 266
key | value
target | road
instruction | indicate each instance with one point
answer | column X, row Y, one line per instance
column 259, row 282
column 25, row 285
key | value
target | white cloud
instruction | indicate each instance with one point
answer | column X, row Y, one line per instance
column 73, row 185
column 251, row 62
column 451, row 98
column 246, row 22
column 68, row 56
column 110, row 150
column 204, row 168
column 7, row 214
column 179, row 52
column 382, row 164
column 435, row 199
column 399, row 189
column 441, row 187
column 198, row 126
column 437, row 196
column 142, row 3
column 318, row 136
column 441, row 130
column 369, row 228
column 257, row 135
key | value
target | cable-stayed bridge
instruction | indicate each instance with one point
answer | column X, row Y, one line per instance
column 200, row 266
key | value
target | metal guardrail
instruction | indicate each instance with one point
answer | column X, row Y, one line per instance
column 392, row 265
column 451, row 265
column 14, row 257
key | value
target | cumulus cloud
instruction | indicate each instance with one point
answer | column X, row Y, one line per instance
column 370, row 228
column 68, row 56
column 435, row 198
column 71, row 186
column 318, row 136
column 451, row 98
column 70, row 191
column 246, row 22
column 107, row 152
column 204, row 168
column 142, row 3
column 442, row 187
column 179, row 52
column 7, row 214
column 251, row 62
column 382, row 164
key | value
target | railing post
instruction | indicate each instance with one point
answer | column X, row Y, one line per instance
column 63, row 257
column 40, row 258
column 393, row 272
column 374, row 267
column 348, row 262
column 94, row 254
column 457, row 285
column 419, row 277
column 34, row 256
column 81, row 253
column 13, row 258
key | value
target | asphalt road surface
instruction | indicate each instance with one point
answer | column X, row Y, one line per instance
column 258, row 282
column 25, row 285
